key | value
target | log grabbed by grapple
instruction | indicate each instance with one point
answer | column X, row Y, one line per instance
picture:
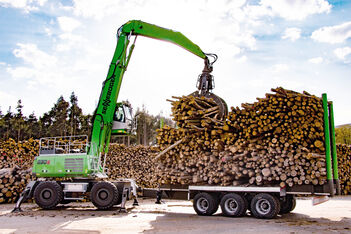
column 205, row 85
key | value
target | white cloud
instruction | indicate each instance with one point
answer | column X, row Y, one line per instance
column 34, row 56
column 292, row 33
column 48, row 31
column 68, row 40
column 2, row 64
column 6, row 98
column 316, row 60
column 277, row 68
column 333, row 34
column 68, row 24
column 102, row 8
column 290, row 10
column 242, row 59
column 341, row 53
column 26, row 5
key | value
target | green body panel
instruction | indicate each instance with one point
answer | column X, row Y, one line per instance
column 103, row 116
column 70, row 165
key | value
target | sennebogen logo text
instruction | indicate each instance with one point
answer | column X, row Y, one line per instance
column 106, row 102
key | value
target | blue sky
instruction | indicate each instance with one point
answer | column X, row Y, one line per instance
column 51, row 48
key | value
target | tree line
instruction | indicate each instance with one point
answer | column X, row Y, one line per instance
column 66, row 118
column 343, row 134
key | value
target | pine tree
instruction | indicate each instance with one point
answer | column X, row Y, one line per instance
column 59, row 115
column 33, row 127
column 74, row 113
column 7, row 124
column 18, row 121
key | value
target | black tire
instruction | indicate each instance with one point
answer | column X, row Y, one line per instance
column 205, row 204
column 104, row 195
column 288, row 205
column 233, row 205
column 48, row 194
column 119, row 200
column 265, row 206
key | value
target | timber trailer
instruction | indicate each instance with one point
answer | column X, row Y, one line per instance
column 262, row 201
column 81, row 166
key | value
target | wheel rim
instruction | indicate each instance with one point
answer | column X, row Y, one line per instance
column 46, row 194
column 263, row 206
column 231, row 205
column 103, row 194
column 202, row 204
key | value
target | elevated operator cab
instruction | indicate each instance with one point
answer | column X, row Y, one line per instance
column 123, row 123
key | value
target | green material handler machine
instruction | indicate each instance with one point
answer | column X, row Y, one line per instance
column 79, row 163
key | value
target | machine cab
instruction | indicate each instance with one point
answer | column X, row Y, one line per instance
column 123, row 123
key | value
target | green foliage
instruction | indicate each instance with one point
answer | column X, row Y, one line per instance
column 343, row 135
column 67, row 118
column 64, row 118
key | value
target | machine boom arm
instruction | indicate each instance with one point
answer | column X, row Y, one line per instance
column 136, row 27
column 103, row 116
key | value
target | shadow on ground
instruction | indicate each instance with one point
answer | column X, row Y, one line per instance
column 289, row 223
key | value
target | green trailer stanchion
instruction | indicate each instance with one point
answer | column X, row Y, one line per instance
column 333, row 149
column 162, row 122
column 327, row 145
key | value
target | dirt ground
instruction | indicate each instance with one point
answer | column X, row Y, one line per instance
column 333, row 216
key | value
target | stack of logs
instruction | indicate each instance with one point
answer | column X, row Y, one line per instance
column 344, row 164
column 12, row 183
column 20, row 154
column 133, row 162
column 16, row 160
column 276, row 140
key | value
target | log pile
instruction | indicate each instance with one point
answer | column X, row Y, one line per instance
column 276, row 140
column 344, row 164
column 16, row 160
column 20, row 154
column 135, row 162
column 12, row 183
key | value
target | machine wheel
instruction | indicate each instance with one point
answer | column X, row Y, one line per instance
column 288, row 205
column 265, row 206
column 205, row 204
column 233, row 205
column 48, row 194
column 104, row 195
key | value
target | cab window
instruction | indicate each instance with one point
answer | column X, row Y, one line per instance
column 119, row 114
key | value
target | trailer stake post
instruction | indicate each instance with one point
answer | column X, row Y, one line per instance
column 327, row 144
column 333, row 149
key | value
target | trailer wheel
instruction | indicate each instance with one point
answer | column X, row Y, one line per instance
column 265, row 206
column 48, row 194
column 205, row 204
column 233, row 205
column 104, row 195
column 288, row 205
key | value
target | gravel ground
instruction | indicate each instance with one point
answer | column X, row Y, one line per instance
column 333, row 216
